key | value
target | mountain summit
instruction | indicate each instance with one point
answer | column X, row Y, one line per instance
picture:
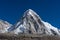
column 31, row 23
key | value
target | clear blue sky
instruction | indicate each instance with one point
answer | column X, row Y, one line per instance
column 49, row 10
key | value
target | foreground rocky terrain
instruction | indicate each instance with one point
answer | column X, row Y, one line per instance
column 27, row 37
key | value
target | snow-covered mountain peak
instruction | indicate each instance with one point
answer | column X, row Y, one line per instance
column 31, row 23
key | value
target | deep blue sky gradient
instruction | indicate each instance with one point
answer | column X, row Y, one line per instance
column 49, row 10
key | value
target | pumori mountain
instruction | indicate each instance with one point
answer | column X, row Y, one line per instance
column 31, row 23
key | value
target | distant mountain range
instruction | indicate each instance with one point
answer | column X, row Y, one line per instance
column 30, row 23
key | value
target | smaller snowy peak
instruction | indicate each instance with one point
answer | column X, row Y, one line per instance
column 4, row 25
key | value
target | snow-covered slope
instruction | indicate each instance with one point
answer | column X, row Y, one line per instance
column 4, row 25
column 31, row 23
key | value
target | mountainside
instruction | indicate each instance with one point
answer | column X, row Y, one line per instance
column 31, row 23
